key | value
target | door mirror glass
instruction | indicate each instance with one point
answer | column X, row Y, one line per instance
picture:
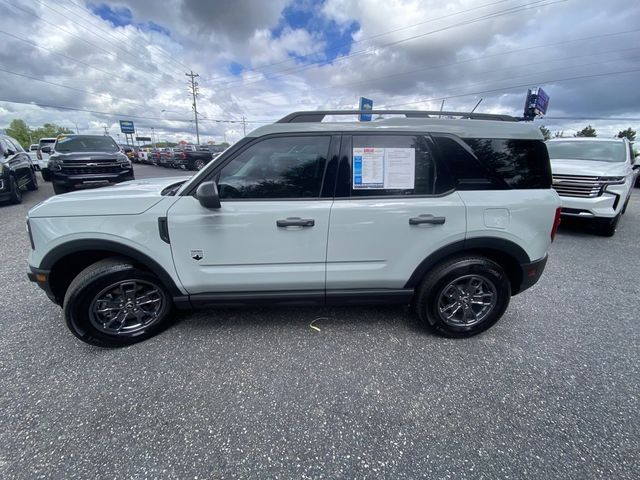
column 10, row 152
column 207, row 195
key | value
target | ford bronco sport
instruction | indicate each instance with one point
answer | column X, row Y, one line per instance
column 451, row 215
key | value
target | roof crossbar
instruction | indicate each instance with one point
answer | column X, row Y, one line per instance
column 318, row 115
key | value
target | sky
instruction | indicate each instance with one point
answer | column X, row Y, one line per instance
column 88, row 64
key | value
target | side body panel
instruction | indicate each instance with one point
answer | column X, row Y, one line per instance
column 524, row 217
column 372, row 244
column 243, row 249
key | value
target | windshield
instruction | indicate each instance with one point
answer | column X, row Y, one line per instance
column 597, row 151
column 86, row 144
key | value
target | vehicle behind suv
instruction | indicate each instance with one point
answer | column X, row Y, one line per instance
column 594, row 177
column 452, row 216
column 17, row 172
column 45, row 147
column 84, row 161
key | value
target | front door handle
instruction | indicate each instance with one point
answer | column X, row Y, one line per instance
column 296, row 222
column 430, row 219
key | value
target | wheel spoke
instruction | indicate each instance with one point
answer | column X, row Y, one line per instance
column 126, row 307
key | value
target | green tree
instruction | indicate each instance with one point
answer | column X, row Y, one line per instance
column 587, row 131
column 18, row 129
column 49, row 130
column 546, row 133
column 628, row 133
column 224, row 144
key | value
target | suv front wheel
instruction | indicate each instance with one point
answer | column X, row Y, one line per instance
column 112, row 303
column 463, row 296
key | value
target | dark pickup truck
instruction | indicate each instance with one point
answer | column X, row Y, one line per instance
column 195, row 158
column 84, row 161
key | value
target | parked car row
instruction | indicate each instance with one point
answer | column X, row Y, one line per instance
column 189, row 157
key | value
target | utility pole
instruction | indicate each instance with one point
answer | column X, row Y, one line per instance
column 244, row 126
column 106, row 130
column 153, row 138
column 194, row 92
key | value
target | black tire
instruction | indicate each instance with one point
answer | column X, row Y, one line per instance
column 46, row 175
column 199, row 164
column 33, row 182
column 59, row 189
column 607, row 227
column 433, row 291
column 15, row 195
column 90, row 285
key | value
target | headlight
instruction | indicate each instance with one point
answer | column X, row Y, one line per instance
column 54, row 165
column 125, row 163
column 612, row 180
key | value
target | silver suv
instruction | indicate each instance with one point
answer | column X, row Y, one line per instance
column 453, row 216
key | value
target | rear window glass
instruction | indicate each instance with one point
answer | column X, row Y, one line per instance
column 86, row 144
column 47, row 142
column 520, row 163
column 588, row 150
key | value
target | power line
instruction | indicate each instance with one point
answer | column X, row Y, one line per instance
column 79, row 37
column 501, row 89
column 111, row 74
column 123, row 115
column 505, row 12
column 105, row 95
column 160, row 50
column 433, row 67
column 338, row 47
column 90, row 30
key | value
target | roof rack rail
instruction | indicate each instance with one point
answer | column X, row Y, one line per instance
column 318, row 115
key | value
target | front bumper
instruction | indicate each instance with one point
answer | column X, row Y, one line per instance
column 607, row 205
column 91, row 180
column 41, row 278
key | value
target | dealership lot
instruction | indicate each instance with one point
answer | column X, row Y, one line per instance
column 550, row 392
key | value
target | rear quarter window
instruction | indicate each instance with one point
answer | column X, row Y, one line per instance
column 519, row 163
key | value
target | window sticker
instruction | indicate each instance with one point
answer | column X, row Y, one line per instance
column 384, row 168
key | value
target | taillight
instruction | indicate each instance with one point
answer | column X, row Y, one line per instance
column 39, row 155
column 556, row 223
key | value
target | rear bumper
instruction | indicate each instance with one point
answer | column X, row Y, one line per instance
column 531, row 273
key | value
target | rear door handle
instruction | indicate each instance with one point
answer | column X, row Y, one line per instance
column 296, row 222
column 430, row 219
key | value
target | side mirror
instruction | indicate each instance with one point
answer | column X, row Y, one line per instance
column 9, row 152
column 45, row 149
column 207, row 195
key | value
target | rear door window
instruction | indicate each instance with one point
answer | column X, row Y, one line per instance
column 393, row 165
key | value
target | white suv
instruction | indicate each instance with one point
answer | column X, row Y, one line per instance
column 594, row 177
column 452, row 215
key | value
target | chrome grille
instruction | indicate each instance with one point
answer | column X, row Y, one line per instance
column 578, row 186
column 78, row 168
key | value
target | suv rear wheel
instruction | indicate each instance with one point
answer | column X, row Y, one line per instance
column 113, row 304
column 463, row 296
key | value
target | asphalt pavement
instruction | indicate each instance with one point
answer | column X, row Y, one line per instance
column 551, row 391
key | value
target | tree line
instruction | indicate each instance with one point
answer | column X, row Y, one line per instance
column 588, row 131
column 19, row 130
